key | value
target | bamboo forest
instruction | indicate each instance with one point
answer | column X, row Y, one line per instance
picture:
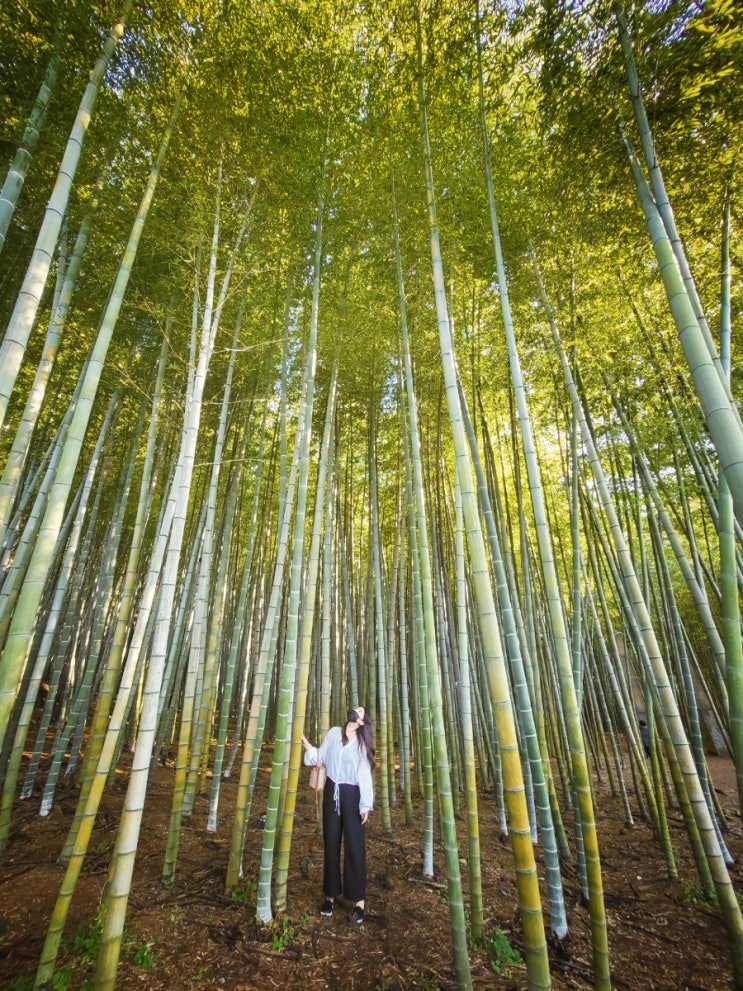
column 371, row 353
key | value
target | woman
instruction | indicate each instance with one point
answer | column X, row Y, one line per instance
column 348, row 755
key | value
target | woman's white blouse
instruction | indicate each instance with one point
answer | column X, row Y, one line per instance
column 345, row 765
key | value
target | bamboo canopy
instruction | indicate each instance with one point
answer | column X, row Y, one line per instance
column 373, row 354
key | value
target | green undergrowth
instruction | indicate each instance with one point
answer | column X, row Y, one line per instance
column 692, row 893
column 80, row 951
column 283, row 933
column 501, row 956
column 244, row 894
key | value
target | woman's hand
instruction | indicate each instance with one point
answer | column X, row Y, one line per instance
column 364, row 817
column 306, row 743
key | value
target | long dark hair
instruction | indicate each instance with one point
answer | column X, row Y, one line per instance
column 367, row 740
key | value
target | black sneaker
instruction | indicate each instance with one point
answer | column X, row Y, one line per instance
column 357, row 915
column 327, row 907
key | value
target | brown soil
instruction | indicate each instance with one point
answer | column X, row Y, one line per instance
column 661, row 936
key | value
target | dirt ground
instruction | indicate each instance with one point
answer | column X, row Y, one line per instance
column 662, row 937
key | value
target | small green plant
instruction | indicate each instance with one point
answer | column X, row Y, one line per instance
column 244, row 894
column 283, row 933
column 22, row 983
column 139, row 951
column 693, row 894
column 502, row 956
column 425, row 982
column 143, row 956
column 86, row 942
column 61, row 979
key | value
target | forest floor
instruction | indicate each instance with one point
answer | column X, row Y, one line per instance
column 662, row 935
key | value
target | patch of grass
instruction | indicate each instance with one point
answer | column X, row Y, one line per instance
column 139, row 950
column 692, row 893
column 244, row 894
column 283, row 933
column 85, row 943
column 78, row 950
column 22, row 983
column 425, row 982
column 502, row 956
column 61, row 979
column 143, row 956
column 84, row 947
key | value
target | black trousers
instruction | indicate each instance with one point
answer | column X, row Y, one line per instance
column 346, row 825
